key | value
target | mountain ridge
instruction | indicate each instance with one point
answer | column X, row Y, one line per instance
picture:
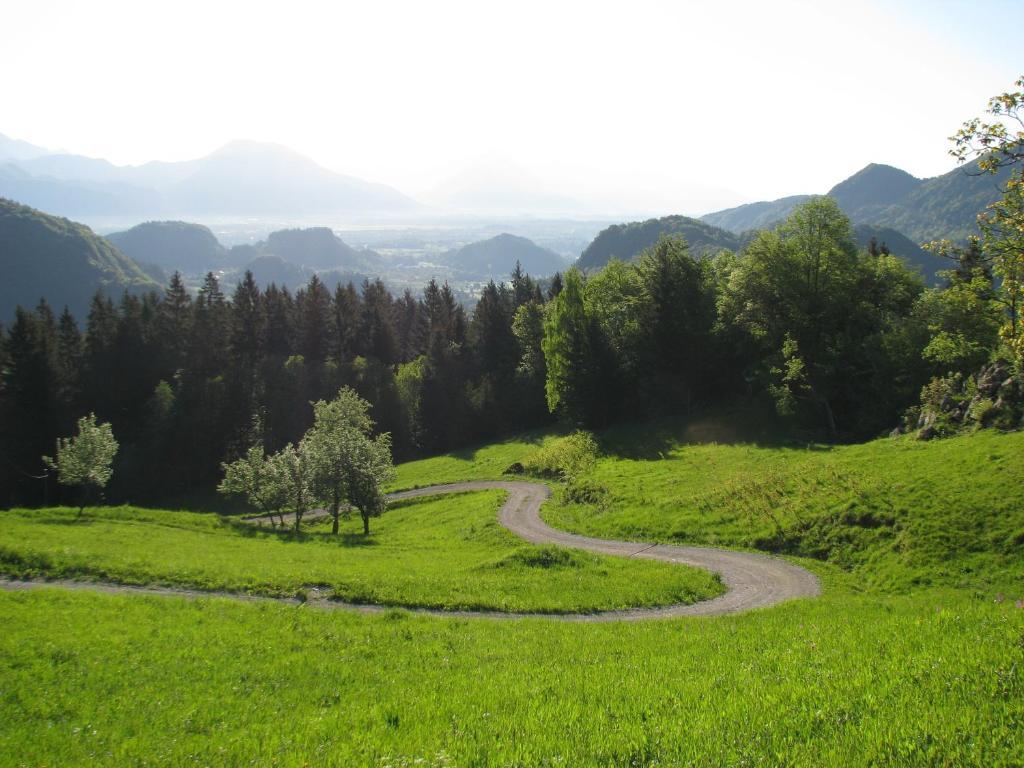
column 241, row 177
column 944, row 206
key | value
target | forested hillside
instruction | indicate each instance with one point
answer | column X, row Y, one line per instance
column 945, row 206
column 46, row 256
column 171, row 245
column 497, row 256
column 626, row 241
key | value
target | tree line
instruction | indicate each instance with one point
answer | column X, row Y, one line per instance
column 838, row 341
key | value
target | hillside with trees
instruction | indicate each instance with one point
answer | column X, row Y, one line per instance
column 945, row 206
column 65, row 262
column 171, row 245
column 626, row 241
column 317, row 248
column 497, row 256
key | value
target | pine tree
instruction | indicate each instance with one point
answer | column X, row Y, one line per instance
column 377, row 332
column 174, row 326
column 345, row 323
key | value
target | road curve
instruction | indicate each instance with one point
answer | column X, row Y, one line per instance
column 751, row 580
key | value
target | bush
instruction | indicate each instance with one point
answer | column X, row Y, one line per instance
column 584, row 492
column 544, row 556
column 566, row 457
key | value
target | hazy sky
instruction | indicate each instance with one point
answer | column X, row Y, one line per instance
column 629, row 104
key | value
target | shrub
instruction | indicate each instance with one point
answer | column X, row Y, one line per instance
column 584, row 492
column 545, row 556
column 566, row 457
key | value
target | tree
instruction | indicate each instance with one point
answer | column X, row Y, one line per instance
column 338, row 425
column 85, row 459
column 369, row 471
column 1000, row 144
column 174, row 323
column 255, row 477
column 996, row 144
column 292, row 469
column 531, row 371
column 1003, row 227
column 572, row 388
column 795, row 292
column 963, row 318
column 679, row 318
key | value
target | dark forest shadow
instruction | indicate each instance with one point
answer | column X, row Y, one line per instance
column 754, row 425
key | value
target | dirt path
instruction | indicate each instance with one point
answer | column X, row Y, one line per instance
column 751, row 580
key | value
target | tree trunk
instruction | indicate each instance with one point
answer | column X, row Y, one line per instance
column 334, row 527
column 366, row 525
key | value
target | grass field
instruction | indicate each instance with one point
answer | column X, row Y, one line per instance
column 913, row 656
column 895, row 513
column 123, row 681
column 440, row 552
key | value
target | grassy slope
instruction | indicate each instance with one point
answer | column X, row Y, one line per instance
column 102, row 680
column 445, row 552
column 861, row 676
column 895, row 513
column 486, row 462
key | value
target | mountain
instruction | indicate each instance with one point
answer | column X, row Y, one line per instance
column 945, row 206
column 497, row 257
column 755, row 215
column 15, row 149
column 318, row 248
column 241, row 178
column 46, row 256
column 171, row 245
column 247, row 177
column 923, row 209
column 871, row 190
column 76, row 198
column 627, row 241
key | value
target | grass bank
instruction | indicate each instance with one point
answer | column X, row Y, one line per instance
column 439, row 552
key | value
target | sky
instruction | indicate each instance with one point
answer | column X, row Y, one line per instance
column 672, row 107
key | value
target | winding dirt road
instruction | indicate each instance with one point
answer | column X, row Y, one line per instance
column 751, row 580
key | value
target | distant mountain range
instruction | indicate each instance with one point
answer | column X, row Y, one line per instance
column 12, row 150
column 241, row 178
column 922, row 209
column 46, row 256
column 497, row 257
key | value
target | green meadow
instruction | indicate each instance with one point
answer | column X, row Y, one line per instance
column 445, row 552
column 913, row 655
column 933, row 679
